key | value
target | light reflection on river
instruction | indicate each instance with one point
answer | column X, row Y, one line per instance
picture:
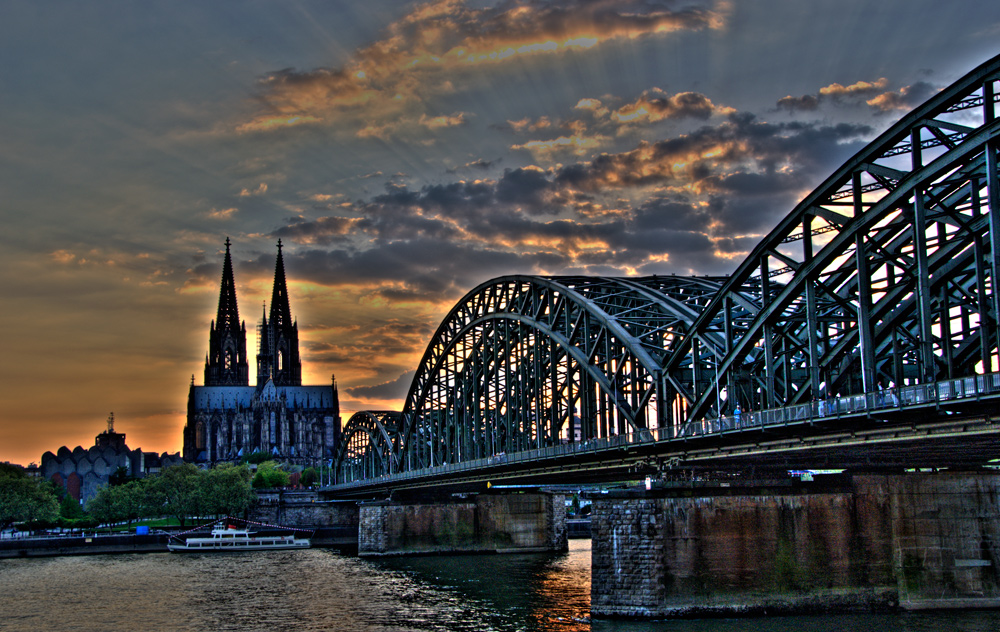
column 320, row 590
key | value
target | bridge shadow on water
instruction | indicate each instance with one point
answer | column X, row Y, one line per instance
column 545, row 592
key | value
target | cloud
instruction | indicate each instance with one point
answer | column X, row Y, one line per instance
column 652, row 106
column 260, row 190
column 223, row 213
column 693, row 202
column 859, row 88
column 871, row 93
column 324, row 231
column 655, row 105
column 905, row 98
column 437, row 122
column 394, row 389
column 419, row 54
column 853, row 94
column 576, row 144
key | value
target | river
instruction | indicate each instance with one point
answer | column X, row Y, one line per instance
column 318, row 589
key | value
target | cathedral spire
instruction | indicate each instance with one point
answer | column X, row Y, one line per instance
column 278, row 357
column 229, row 311
column 281, row 313
column 226, row 363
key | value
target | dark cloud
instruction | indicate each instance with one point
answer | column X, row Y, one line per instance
column 872, row 94
column 805, row 103
column 528, row 189
column 323, row 231
column 905, row 98
column 394, row 389
column 689, row 195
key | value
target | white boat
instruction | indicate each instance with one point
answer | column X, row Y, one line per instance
column 225, row 538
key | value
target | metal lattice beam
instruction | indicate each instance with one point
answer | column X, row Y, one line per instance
column 885, row 274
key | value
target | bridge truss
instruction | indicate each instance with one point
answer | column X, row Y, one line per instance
column 883, row 277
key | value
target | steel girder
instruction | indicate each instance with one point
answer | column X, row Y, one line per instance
column 524, row 362
column 887, row 270
column 368, row 446
column 883, row 275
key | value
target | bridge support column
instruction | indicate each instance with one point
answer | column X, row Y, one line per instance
column 484, row 523
column 866, row 542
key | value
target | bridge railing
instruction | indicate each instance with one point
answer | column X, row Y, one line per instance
column 882, row 400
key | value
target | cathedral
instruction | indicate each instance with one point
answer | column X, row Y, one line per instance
column 228, row 419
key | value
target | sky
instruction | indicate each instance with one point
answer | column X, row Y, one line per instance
column 403, row 152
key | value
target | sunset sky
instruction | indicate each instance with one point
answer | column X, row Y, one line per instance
column 403, row 152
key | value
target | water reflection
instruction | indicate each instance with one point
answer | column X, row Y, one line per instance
column 510, row 592
column 317, row 590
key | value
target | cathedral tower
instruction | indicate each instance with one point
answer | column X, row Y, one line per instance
column 226, row 363
column 228, row 419
column 278, row 337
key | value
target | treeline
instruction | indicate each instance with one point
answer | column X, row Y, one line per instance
column 25, row 499
column 181, row 492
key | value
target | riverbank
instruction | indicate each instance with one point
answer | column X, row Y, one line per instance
column 49, row 546
column 343, row 540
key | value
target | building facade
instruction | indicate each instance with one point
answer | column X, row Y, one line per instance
column 228, row 419
column 82, row 471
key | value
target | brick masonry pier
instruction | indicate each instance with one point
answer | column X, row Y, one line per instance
column 861, row 542
column 334, row 522
column 483, row 523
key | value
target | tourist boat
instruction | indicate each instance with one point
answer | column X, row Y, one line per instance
column 231, row 538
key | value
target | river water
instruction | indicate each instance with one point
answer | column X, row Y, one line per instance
column 318, row 589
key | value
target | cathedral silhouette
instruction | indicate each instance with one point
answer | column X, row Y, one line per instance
column 228, row 419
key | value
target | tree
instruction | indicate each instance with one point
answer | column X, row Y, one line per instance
column 177, row 491
column 256, row 457
column 270, row 475
column 102, row 507
column 120, row 476
column 227, row 490
column 309, row 477
column 69, row 508
column 24, row 499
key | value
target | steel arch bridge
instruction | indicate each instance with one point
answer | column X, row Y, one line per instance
column 883, row 277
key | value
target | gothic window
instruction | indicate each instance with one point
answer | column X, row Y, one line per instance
column 228, row 361
column 281, row 360
column 199, row 436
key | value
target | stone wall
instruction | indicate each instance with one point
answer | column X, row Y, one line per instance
column 304, row 509
column 913, row 540
column 486, row 523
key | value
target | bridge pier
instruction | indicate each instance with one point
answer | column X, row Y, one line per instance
column 499, row 522
column 867, row 541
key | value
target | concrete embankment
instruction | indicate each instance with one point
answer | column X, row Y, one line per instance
column 339, row 539
column 82, row 545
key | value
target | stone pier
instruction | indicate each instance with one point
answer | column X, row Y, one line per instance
column 861, row 542
column 479, row 523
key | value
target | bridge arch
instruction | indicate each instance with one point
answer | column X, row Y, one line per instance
column 887, row 269
column 368, row 445
column 884, row 275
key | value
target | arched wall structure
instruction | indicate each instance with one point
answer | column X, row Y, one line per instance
column 883, row 276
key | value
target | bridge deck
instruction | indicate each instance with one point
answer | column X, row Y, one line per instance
column 952, row 423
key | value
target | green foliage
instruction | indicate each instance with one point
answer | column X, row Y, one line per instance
column 70, row 509
column 270, row 475
column 24, row 499
column 181, row 492
column 120, row 476
column 178, row 491
column 309, row 477
column 120, row 503
column 227, row 490
column 256, row 458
